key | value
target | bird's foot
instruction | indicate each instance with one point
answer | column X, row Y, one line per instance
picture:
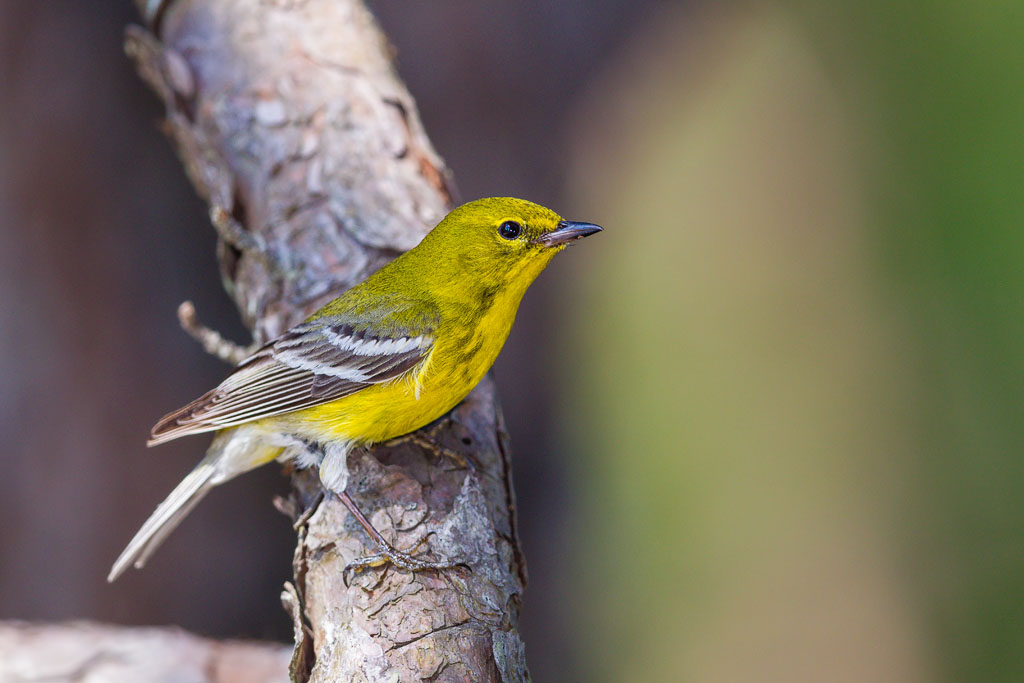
column 388, row 554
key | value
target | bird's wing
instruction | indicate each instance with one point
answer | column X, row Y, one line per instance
column 316, row 362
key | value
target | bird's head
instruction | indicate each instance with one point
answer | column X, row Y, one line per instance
column 499, row 241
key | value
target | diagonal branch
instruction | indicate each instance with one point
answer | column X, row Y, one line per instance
column 289, row 116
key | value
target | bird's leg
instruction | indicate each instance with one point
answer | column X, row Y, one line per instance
column 424, row 438
column 388, row 553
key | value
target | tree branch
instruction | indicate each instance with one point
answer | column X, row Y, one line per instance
column 81, row 651
column 289, row 117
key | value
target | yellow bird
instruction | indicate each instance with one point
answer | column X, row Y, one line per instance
column 385, row 358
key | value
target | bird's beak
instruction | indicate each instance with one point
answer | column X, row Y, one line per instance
column 567, row 231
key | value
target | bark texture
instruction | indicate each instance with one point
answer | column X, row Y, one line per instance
column 288, row 115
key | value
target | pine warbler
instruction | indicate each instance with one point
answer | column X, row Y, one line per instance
column 385, row 358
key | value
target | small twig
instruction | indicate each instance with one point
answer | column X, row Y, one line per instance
column 246, row 241
column 211, row 340
column 301, row 520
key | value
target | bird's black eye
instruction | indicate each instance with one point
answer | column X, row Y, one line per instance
column 510, row 230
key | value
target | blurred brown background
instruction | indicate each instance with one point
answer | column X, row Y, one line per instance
column 767, row 426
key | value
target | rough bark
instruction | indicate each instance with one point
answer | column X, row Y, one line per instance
column 288, row 114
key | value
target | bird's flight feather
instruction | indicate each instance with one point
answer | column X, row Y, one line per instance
column 315, row 362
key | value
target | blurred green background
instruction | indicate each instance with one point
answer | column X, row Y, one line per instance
column 767, row 426
column 802, row 346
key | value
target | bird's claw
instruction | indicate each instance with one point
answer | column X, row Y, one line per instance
column 390, row 555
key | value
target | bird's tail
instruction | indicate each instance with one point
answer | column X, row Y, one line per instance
column 232, row 452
